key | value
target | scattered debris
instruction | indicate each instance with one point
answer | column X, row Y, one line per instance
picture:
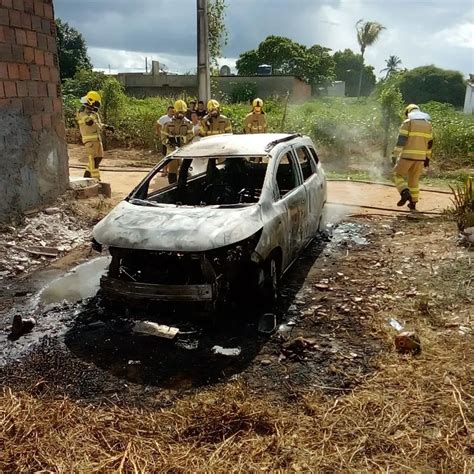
column 265, row 362
column 134, row 362
column 154, row 329
column 21, row 326
column 46, row 251
column 52, row 210
column 267, row 323
column 40, row 237
column 295, row 348
column 408, row 342
column 395, row 324
column 226, row 351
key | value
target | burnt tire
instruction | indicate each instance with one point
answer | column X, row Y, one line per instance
column 270, row 282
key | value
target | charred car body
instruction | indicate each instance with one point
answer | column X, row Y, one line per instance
column 242, row 210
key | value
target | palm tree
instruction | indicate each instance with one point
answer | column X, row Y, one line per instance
column 392, row 65
column 367, row 35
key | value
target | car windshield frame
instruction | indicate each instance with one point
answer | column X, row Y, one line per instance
column 140, row 196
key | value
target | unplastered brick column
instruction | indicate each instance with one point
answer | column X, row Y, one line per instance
column 33, row 154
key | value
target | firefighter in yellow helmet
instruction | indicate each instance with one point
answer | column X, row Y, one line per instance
column 411, row 154
column 214, row 123
column 176, row 133
column 256, row 121
column 90, row 128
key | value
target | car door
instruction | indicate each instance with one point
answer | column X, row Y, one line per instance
column 290, row 201
column 314, row 185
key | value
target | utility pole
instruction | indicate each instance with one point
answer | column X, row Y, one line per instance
column 146, row 65
column 203, row 70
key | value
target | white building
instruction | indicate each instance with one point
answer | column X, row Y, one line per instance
column 469, row 100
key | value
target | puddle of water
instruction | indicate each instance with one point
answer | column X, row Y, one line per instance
column 81, row 282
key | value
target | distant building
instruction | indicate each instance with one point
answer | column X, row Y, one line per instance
column 264, row 70
column 469, row 100
column 337, row 89
column 224, row 71
column 159, row 83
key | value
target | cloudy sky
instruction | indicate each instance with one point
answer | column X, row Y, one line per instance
column 121, row 33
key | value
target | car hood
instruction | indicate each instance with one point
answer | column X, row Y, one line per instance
column 176, row 228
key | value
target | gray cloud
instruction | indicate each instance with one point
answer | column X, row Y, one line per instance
column 419, row 32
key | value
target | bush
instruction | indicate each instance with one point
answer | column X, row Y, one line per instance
column 243, row 92
column 453, row 136
column 430, row 83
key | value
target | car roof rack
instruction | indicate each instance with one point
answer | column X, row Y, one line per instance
column 274, row 143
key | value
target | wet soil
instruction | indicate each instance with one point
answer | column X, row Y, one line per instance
column 87, row 352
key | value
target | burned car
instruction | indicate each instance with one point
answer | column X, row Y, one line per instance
column 242, row 210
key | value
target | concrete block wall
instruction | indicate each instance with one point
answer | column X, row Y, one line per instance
column 33, row 153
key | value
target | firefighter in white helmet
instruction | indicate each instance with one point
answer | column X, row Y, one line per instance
column 411, row 154
column 214, row 123
column 256, row 121
column 175, row 134
column 90, row 128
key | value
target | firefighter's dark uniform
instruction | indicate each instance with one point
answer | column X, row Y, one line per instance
column 255, row 123
column 175, row 134
column 215, row 125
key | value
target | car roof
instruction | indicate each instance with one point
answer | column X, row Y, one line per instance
column 231, row 145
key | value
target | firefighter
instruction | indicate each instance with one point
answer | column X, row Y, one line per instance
column 214, row 123
column 176, row 133
column 411, row 154
column 256, row 121
column 91, row 127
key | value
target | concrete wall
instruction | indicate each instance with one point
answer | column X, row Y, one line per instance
column 268, row 86
column 146, row 85
column 469, row 99
column 33, row 154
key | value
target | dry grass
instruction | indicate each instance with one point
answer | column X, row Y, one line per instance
column 415, row 415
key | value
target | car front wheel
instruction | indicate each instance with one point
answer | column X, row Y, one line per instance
column 270, row 281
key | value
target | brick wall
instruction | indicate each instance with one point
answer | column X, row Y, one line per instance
column 33, row 155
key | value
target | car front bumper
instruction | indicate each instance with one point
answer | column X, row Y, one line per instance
column 119, row 289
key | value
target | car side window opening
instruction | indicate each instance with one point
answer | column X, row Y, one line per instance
column 314, row 154
column 306, row 161
column 286, row 175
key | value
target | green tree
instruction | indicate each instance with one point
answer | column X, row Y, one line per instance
column 367, row 35
column 430, row 83
column 72, row 50
column 392, row 65
column 218, row 35
column 390, row 99
column 313, row 65
column 84, row 80
column 347, row 66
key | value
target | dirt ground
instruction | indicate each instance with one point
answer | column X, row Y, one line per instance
column 326, row 392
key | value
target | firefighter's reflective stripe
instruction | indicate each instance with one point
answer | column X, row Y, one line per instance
column 89, row 137
column 421, row 134
column 415, row 152
column 403, row 132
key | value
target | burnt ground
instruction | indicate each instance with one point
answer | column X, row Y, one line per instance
column 325, row 337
